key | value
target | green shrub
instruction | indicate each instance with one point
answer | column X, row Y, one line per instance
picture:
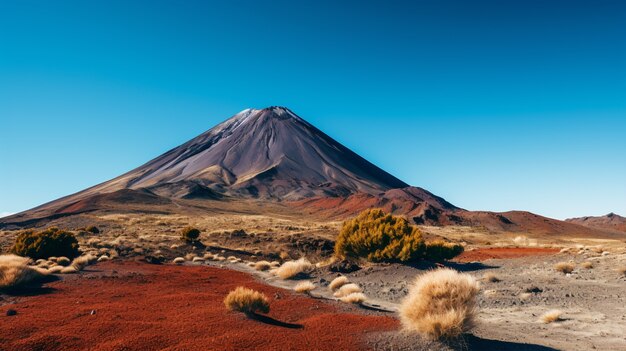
column 93, row 229
column 47, row 243
column 378, row 236
column 190, row 234
column 441, row 250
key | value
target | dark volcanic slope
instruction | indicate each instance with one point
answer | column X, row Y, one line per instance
column 610, row 221
column 268, row 153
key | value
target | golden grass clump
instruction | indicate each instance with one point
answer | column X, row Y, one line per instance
column 179, row 260
column 69, row 270
column 15, row 271
column 81, row 262
column 55, row 269
column 63, row 261
column 564, row 267
column 198, row 259
column 338, row 283
column 441, row 304
column 262, row 266
column 355, row 298
column 551, row 316
column 587, row 265
column 247, row 301
column 291, row 269
column 347, row 289
column 104, row 258
column 378, row 236
column 304, row 287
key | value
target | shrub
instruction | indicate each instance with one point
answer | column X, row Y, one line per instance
column 92, row 229
column 440, row 250
column 551, row 316
column 247, row 301
column 347, row 290
column 564, row 267
column 47, row 243
column 378, row 236
column 304, row 287
column 338, row 283
column 15, row 271
column 355, row 298
column 190, row 234
column 440, row 304
column 262, row 266
column 291, row 269
column 587, row 265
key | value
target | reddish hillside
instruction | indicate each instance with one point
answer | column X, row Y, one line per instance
column 610, row 221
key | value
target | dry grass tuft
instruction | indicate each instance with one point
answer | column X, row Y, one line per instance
column 291, row 269
column 247, row 301
column 179, row 260
column 304, row 287
column 104, row 258
column 338, row 283
column 551, row 316
column 587, row 265
column 491, row 277
column 198, row 259
column 564, row 267
column 15, row 271
column 441, row 304
column 355, row 298
column 262, row 266
column 55, row 269
column 525, row 296
column 347, row 289
column 490, row 293
column 69, row 270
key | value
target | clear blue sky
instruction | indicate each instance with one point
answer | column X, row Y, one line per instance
column 494, row 105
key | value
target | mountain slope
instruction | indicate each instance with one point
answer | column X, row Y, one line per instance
column 610, row 221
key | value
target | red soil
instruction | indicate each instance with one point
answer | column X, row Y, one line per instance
column 146, row 307
column 503, row 252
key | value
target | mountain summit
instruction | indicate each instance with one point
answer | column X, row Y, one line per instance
column 269, row 153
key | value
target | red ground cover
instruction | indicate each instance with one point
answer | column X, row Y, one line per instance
column 503, row 252
column 147, row 307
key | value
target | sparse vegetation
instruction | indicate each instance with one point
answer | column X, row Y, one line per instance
column 587, row 265
column 82, row 261
column 378, row 236
column 262, row 266
column 15, row 272
column 304, row 287
column 440, row 304
column 491, row 277
column 63, row 261
column 338, row 283
column 564, row 267
column 440, row 250
column 355, row 298
column 47, row 243
column 347, row 289
column 93, row 229
column 551, row 316
column 190, row 234
column 247, row 301
column 291, row 269
column 179, row 260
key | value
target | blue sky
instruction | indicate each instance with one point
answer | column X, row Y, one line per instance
column 494, row 105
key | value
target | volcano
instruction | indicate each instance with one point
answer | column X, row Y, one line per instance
column 273, row 156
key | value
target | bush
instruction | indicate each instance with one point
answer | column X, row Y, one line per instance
column 48, row 243
column 347, row 289
column 262, row 266
column 15, row 271
column 564, row 267
column 355, row 298
column 338, row 282
column 378, row 236
column 190, row 234
column 93, row 229
column 551, row 316
column 440, row 250
column 291, row 269
column 247, row 301
column 440, row 304
column 304, row 287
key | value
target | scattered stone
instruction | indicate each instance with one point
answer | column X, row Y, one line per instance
column 11, row 312
column 344, row 266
